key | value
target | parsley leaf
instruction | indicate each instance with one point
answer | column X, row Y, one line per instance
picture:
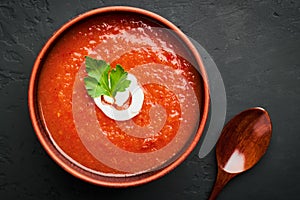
column 119, row 82
column 93, row 87
column 101, row 80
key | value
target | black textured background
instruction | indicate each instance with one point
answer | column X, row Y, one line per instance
column 256, row 45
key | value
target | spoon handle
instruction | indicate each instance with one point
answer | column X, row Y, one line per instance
column 222, row 179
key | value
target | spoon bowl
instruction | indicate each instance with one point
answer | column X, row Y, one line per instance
column 243, row 141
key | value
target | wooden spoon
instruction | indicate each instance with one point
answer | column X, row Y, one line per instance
column 243, row 142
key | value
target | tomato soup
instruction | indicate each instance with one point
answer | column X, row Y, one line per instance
column 163, row 66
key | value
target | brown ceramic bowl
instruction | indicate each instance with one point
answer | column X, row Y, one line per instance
column 41, row 130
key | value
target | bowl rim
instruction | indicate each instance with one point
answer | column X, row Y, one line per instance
column 34, row 78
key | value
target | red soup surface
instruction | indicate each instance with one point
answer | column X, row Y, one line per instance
column 163, row 66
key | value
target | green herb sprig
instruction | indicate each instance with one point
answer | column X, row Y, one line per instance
column 103, row 80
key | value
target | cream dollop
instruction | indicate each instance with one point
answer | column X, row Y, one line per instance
column 137, row 99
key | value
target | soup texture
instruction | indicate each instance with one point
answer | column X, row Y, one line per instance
column 165, row 70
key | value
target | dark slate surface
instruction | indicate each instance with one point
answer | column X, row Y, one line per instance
column 256, row 45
